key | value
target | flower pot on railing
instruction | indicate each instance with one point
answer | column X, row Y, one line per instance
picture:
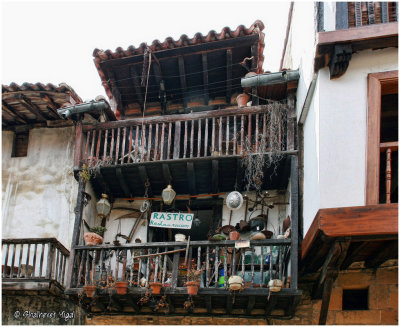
column 155, row 287
column 235, row 283
column 122, row 287
column 234, row 235
column 192, row 287
column 92, row 239
column 242, row 99
column 90, row 290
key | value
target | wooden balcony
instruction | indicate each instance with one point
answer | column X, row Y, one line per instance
column 167, row 263
column 37, row 264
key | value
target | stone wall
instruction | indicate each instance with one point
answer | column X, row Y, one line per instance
column 20, row 309
column 383, row 306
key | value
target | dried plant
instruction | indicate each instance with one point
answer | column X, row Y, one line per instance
column 270, row 146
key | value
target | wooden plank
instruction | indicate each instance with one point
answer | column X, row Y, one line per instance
column 234, row 135
column 175, row 267
column 13, row 260
column 112, row 144
column 242, row 140
column 208, row 267
column 227, row 136
column 50, row 260
column 105, row 145
column 177, row 140
column 220, row 137
column 20, row 116
column 256, row 133
column 205, row 78
column 33, row 108
column 6, row 262
column 388, row 175
column 78, row 145
column 117, row 146
column 208, row 301
column 41, row 260
column 342, row 16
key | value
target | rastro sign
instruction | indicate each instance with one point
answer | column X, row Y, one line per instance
column 179, row 220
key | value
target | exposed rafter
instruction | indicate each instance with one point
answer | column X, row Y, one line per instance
column 21, row 117
column 33, row 108
column 182, row 74
column 136, row 84
column 115, row 92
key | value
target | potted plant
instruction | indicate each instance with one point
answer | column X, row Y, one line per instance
column 95, row 236
column 193, row 281
column 122, row 287
column 155, row 286
column 90, row 290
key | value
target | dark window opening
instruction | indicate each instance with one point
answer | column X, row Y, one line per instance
column 20, row 145
column 389, row 118
column 355, row 299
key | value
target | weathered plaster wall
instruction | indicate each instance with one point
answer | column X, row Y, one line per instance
column 54, row 310
column 39, row 191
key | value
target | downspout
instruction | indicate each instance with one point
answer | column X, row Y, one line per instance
column 67, row 112
column 270, row 79
column 307, row 101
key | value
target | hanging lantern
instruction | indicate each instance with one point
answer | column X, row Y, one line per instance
column 103, row 206
column 168, row 195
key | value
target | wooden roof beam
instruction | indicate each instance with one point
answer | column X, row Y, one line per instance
column 159, row 80
column 137, row 87
column 115, row 92
column 182, row 76
column 7, row 108
column 51, row 105
column 33, row 108
column 228, row 75
column 205, row 77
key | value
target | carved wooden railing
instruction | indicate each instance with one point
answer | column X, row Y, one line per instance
column 212, row 133
column 389, row 170
column 34, row 259
column 356, row 14
column 165, row 263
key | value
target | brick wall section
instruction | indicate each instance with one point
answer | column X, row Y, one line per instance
column 58, row 308
column 383, row 306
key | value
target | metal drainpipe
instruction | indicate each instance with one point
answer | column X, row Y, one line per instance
column 67, row 112
column 269, row 79
column 307, row 101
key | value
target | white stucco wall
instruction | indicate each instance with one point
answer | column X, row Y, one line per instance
column 39, row 191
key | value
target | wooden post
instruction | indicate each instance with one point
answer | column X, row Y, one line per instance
column 78, row 145
column 50, row 260
column 294, row 174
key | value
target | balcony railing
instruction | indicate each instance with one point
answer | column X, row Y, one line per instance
column 205, row 134
column 167, row 263
column 38, row 259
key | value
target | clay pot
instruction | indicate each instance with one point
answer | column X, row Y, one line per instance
column 192, row 288
column 242, row 99
column 92, row 239
column 90, row 290
column 122, row 287
column 234, row 235
column 155, row 288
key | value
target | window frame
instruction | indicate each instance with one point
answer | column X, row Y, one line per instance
column 378, row 85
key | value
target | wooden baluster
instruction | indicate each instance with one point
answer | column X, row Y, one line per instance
column 5, row 262
column 112, row 145
column 242, row 135
column 388, row 174
column 198, row 257
column 123, row 146
column 191, row 139
column 143, row 142
column 206, row 137
column 234, row 261
column 185, row 140
column 234, row 135
column 256, row 134
column 227, row 136
column 81, row 265
column 117, row 146
column 156, row 266
column 216, row 266
column 105, row 144
column 164, row 267
column 13, row 260
column 87, row 275
column 92, row 147
column 162, row 141
column 249, row 134
column 92, row 277
column 220, row 137
column 169, row 141
column 136, row 143
column 98, row 145
column 41, row 261
column 225, row 266
column 199, row 138
column 130, row 144
column 102, row 262
column 262, row 266
column 63, row 270
column 243, row 255
column 213, row 137
column 60, row 266
column 148, row 268
column 207, row 266
column 57, row 253
column 156, row 144
column 252, row 266
column 27, row 260
column 140, row 267
column 87, row 145
column 20, row 261
column 149, row 142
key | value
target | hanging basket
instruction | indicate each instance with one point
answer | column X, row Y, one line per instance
column 122, row 288
column 90, row 290
column 192, row 288
column 155, row 288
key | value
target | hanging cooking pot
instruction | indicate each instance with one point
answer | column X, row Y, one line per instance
column 228, row 228
column 243, row 225
column 257, row 223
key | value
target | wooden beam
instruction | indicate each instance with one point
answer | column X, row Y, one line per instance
column 51, row 105
column 326, row 296
column 250, row 304
column 294, row 199
column 33, row 108
column 122, row 183
column 228, row 75
column 353, row 254
column 115, row 92
column 229, row 304
column 191, row 178
column 208, row 301
column 182, row 75
column 159, row 80
column 270, row 304
column 136, row 85
column 389, row 251
column 205, row 78
column 21, row 117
